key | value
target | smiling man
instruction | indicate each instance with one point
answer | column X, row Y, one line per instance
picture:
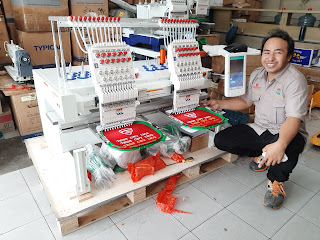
column 279, row 92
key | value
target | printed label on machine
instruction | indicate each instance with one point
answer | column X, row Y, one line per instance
column 200, row 118
column 138, row 135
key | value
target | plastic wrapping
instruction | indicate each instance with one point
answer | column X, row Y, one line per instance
column 175, row 144
column 165, row 201
column 106, row 158
column 145, row 167
column 102, row 176
column 152, row 150
column 122, row 158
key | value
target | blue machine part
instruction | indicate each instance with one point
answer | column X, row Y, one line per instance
column 76, row 75
column 154, row 68
column 134, row 39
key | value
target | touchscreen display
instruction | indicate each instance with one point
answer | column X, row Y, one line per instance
column 236, row 72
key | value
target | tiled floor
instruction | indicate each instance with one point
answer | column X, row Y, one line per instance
column 226, row 204
column 13, row 153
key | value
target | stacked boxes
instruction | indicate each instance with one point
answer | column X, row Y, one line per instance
column 28, row 26
column 81, row 8
column 250, row 16
column 7, row 8
column 33, row 29
column 225, row 2
column 40, row 47
column 32, row 16
column 4, row 37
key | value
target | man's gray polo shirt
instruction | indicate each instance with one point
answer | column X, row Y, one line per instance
column 285, row 96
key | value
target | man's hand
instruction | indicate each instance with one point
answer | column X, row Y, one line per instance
column 212, row 103
column 234, row 104
column 274, row 154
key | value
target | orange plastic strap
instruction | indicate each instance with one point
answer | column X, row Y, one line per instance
column 165, row 201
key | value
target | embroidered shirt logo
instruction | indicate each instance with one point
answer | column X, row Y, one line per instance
column 126, row 131
column 278, row 91
column 256, row 86
column 191, row 115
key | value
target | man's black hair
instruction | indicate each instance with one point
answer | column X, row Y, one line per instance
column 278, row 33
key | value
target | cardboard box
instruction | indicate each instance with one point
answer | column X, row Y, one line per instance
column 78, row 56
column 26, row 114
column 250, row 16
column 82, row 7
column 315, row 84
column 32, row 16
column 218, row 64
column 251, row 117
column 40, row 47
column 224, row 2
column 4, row 37
column 199, row 142
column 306, row 57
column 7, row 8
column 12, row 32
column 253, row 62
column 212, row 39
column 1, row 103
column 6, row 120
column 310, row 73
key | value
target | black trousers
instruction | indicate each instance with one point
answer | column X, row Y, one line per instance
column 244, row 141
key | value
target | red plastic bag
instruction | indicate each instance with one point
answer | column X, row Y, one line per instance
column 145, row 167
column 177, row 157
column 165, row 201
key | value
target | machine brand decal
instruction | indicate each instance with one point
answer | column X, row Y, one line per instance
column 257, row 86
column 126, row 131
column 45, row 47
column 119, row 111
column 278, row 91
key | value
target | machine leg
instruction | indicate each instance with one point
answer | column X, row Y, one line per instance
column 82, row 181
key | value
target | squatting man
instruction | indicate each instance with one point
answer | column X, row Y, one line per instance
column 279, row 92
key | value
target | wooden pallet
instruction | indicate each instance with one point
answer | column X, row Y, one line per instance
column 56, row 174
